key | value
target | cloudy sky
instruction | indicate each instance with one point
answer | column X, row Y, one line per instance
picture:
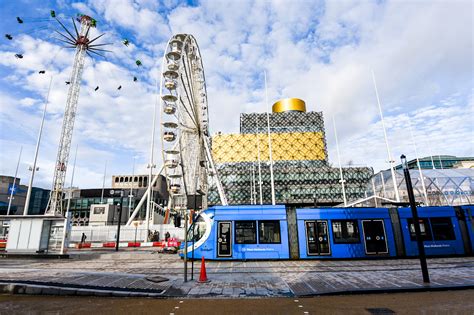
column 323, row 52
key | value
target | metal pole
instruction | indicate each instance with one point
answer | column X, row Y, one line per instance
column 373, row 189
column 269, row 141
column 254, row 191
column 118, row 224
column 136, row 227
column 144, row 197
column 220, row 188
column 259, row 167
column 66, row 219
column 440, row 162
column 390, row 159
column 103, row 184
column 416, row 222
column 431, row 156
column 340, row 166
column 185, row 246
column 383, row 184
column 14, row 181
column 192, row 226
column 151, row 165
column 418, row 165
column 30, row 185
column 131, row 189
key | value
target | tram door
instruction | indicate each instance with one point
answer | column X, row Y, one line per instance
column 224, row 239
column 317, row 238
column 374, row 237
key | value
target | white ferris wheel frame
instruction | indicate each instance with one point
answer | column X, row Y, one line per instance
column 187, row 158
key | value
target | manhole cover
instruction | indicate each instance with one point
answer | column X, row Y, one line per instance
column 380, row 311
column 156, row 279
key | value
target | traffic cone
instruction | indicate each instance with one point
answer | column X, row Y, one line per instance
column 203, row 275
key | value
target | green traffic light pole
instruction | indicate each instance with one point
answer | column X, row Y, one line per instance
column 416, row 222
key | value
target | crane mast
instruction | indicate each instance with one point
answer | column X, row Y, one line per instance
column 82, row 41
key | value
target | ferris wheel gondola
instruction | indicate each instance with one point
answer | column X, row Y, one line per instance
column 187, row 159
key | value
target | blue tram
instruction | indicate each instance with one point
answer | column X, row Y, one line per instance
column 240, row 232
column 279, row 232
column 344, row 233
column 440, row 231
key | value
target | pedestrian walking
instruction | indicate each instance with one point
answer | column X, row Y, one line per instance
column 83, row 238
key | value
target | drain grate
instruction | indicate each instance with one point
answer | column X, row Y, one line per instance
column 380, row 311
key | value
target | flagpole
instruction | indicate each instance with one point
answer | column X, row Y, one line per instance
column 14, row 180
column 259, row 166
column 131, row 188
column 33, row 170
column 269, row 140
column 390, row 159
column 418, row 164
column 103, row 184
column 340, row 166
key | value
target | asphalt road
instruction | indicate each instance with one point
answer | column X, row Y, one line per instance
column 443, row 302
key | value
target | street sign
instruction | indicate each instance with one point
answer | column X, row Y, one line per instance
column 16, row 189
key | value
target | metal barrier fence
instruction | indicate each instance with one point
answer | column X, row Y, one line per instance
column 127, row 233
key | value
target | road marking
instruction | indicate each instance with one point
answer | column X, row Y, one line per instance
column 300, row 305
column 181, row 301
column 176, row 307
column 296, row 301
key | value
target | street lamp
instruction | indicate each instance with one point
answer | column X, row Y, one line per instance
column 416, row 222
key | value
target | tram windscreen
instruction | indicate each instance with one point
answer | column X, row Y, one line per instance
column 199, row 228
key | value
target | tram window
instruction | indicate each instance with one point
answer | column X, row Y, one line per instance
column 424, row 230
column 199, row 228
column 442, row 229
column 345, row 231
column 245, row 232
column 269, row 232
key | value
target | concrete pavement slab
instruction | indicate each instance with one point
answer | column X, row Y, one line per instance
column 128, row 272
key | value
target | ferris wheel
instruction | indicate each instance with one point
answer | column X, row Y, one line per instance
column 187, row 159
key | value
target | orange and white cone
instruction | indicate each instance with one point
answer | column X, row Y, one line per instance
column 203, row 275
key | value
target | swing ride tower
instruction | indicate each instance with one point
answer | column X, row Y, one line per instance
column 81, row 42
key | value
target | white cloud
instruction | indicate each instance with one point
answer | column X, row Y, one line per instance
column 322, row 52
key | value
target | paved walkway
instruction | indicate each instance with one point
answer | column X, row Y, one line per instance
column 147, row 273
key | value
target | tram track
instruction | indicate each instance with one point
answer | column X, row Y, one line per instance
column 246, row 270
column 252, row 264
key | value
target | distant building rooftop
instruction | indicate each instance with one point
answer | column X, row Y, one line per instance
column 440, row 162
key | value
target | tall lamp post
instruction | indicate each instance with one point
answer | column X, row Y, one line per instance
column 416, row 222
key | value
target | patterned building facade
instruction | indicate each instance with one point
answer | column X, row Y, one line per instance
column 302, row 174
